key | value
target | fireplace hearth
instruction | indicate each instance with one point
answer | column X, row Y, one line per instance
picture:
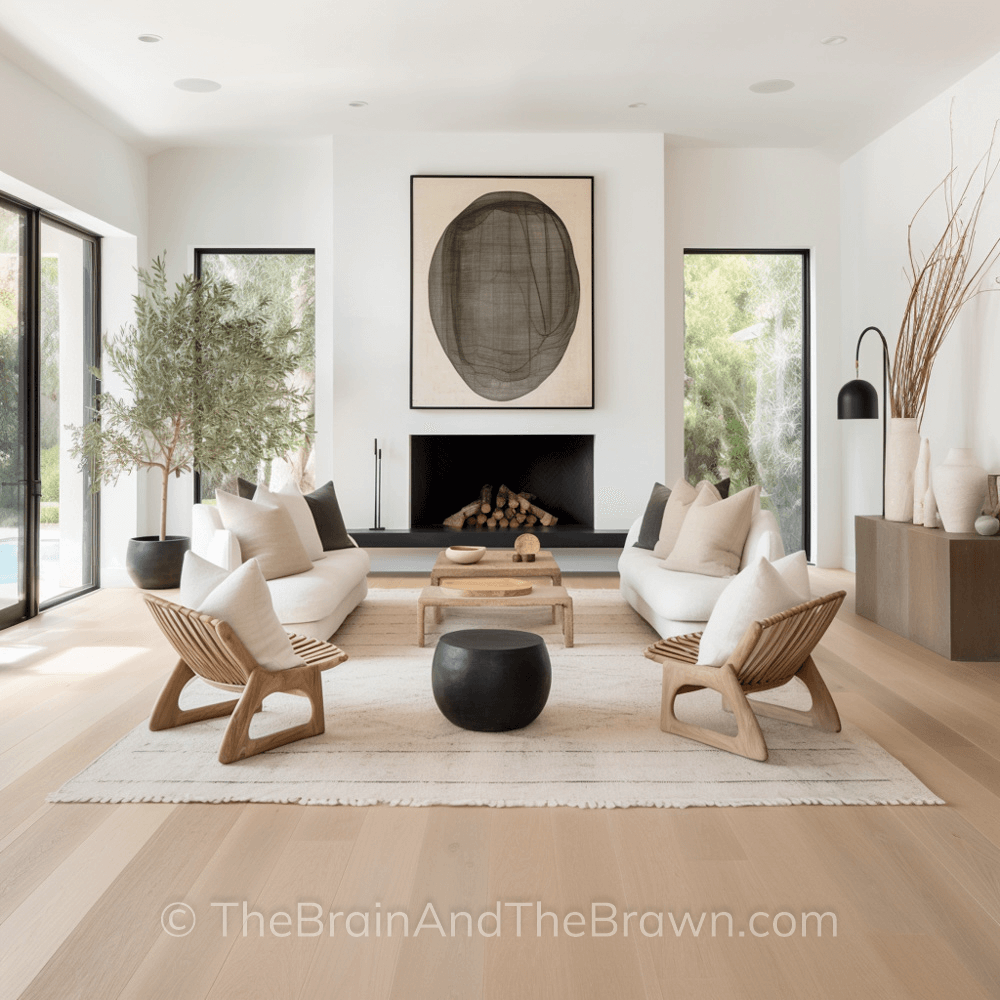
column 448, row 471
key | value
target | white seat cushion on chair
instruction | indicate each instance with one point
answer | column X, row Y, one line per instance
column 756, row 593
column 243, row 601
column 713, row 534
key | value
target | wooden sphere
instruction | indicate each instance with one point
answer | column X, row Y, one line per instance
column 527, row 544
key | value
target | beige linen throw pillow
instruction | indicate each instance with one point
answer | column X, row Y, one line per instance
column 265, row 533
column 713, row 534
column 681, row 497
column 290, row 497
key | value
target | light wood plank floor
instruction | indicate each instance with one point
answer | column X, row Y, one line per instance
column 916, row 890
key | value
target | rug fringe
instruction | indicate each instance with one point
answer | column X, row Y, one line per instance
column 55, row 797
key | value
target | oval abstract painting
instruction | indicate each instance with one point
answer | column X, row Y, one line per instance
column 504, row 293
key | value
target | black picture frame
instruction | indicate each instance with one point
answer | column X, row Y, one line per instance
column 562, row 376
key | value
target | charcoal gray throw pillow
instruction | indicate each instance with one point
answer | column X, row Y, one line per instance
column 245, row 489
column 649, row 531
column 329, row 520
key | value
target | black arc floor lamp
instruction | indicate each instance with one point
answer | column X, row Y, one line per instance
column 858, row 399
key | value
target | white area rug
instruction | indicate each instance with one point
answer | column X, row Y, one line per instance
column 596, row 744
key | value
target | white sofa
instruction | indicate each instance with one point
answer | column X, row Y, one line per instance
column 677, row 603
column 313, row 603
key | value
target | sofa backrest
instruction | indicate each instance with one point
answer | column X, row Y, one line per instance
column 764, row 539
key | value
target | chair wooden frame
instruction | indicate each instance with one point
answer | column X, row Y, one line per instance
column 210, row 649
column 769, row 655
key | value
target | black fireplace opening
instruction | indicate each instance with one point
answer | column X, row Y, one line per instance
column 447, row 472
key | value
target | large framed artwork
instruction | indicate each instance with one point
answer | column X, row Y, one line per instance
column 501, row 292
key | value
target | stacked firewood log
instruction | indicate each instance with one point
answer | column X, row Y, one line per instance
column 508, row 510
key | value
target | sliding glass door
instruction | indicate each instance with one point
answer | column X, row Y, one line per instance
column 15, row 492
column 48, row 343
column 66, row 390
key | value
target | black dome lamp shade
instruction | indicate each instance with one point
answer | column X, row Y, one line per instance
column 858, row 399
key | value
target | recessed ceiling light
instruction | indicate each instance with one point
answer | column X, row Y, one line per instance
column 638, row 104
column 151, row 38
column 357, row 104
column 771, row 86
column 834, row 40
column 197, row 85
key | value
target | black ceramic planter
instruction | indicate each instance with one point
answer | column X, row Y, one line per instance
column 156, row 565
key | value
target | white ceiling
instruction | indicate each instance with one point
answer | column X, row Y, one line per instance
column 288, row 68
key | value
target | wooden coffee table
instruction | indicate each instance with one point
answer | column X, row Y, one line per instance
column 541, row 596
column 498, row 562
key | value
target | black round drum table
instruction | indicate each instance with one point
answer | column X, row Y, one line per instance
column 491, row 680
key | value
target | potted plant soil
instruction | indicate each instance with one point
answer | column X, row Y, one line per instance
column 207, row 388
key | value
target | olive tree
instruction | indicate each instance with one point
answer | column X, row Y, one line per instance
column 207, row 386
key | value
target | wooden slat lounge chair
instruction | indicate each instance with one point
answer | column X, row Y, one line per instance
column 769, row 655
column 210, row 649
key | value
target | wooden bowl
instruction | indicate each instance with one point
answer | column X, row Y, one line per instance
column 465, row 553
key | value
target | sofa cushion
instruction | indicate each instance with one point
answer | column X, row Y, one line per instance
column 754, row 594
column 683, row 597
column 713, row 534
column 649, row 531
column 310, row 596
column 291, row 498
column 245, row 488
column 794, row 571
column 329, row 520
column 763, row 539
column 266, row 533
column 199, row 577
column 681, row 497
column 244, row 602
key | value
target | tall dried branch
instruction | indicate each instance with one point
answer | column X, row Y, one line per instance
column 943, row 281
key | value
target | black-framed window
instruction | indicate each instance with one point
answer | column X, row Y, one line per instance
column 49, row 340
column 287, row 277
column 746, row 377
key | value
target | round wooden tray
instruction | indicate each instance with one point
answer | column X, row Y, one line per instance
column 488, row 587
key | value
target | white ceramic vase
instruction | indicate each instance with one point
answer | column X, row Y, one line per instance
column 901, row 451
column 960, row 489
column 930, row 509
column 921, row 480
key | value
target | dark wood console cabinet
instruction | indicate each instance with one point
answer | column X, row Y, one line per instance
column 937, row 589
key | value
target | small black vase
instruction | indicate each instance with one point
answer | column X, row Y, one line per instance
column 156, row 565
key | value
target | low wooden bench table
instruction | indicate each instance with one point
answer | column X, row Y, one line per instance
column 541, row 596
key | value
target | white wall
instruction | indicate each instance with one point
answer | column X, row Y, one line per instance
column 762, row 199
column 56, row 157
column 371, row 280
column 273, row 197
column 882, row 187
